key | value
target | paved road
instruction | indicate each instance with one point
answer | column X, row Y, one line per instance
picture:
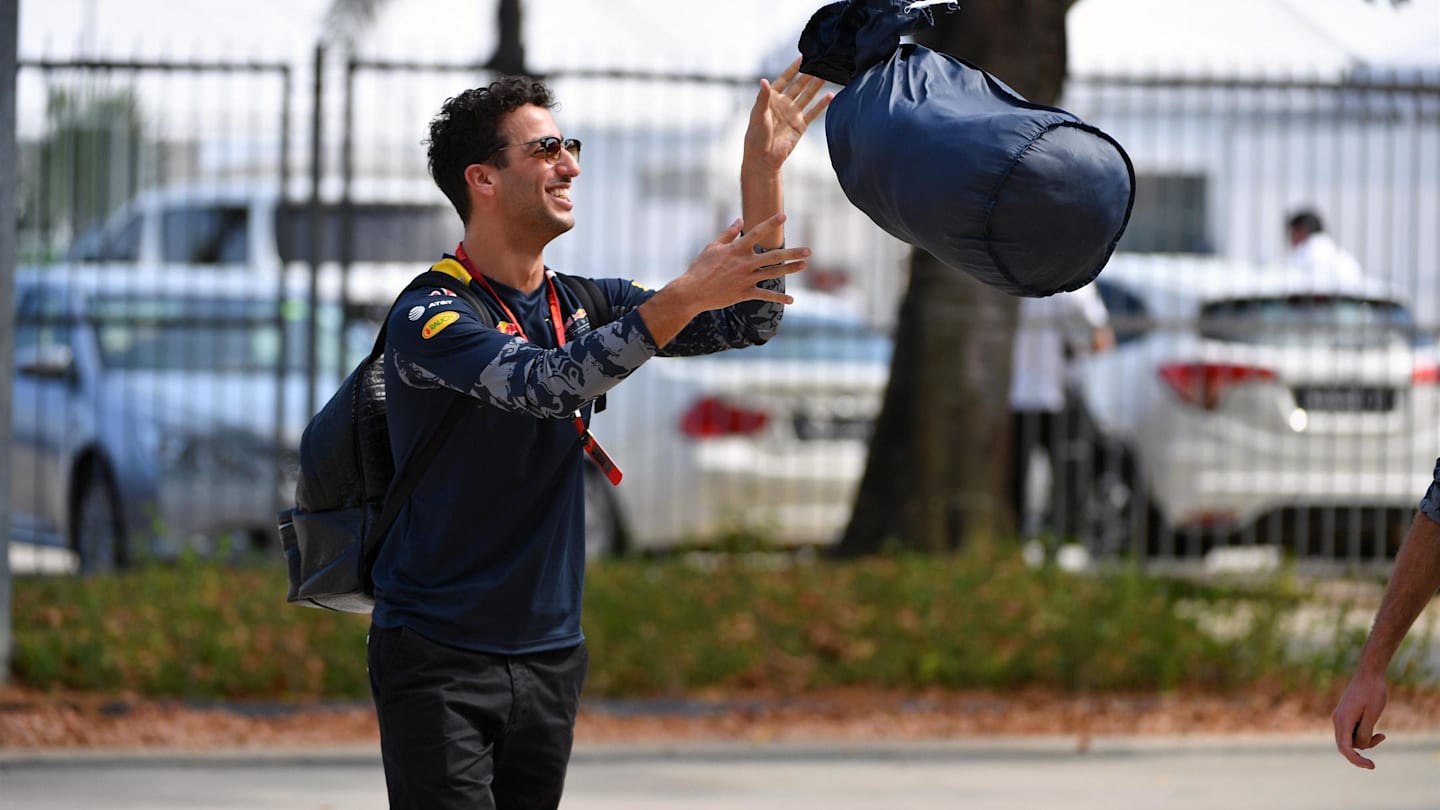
column 1008, row 774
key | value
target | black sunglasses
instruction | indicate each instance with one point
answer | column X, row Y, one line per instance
column 549, row 148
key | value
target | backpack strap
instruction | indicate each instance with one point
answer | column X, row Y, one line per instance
column 402, row 486
column 591, row 297
column 437, row 276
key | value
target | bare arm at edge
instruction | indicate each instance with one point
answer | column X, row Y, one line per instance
column 1413, row 583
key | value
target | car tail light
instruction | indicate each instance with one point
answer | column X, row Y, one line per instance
column 1205, row 384
column 711, row 417
column 1426, row 374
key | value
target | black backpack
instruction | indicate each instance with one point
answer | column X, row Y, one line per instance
column 349, row 492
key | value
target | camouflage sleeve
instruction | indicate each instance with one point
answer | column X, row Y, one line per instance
column 749, row 323
column 1430, row 504
column 453, row 349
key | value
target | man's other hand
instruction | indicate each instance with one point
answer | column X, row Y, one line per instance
column 1355, row 717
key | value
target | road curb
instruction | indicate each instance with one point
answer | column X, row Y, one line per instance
column 326, row 756
column 993, row 748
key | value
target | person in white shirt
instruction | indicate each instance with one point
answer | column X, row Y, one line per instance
column 1047, row 327
column 1313, row 252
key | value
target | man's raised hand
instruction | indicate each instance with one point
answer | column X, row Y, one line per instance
column 783, row 110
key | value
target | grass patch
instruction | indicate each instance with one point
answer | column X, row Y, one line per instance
column 191, row 629
column 708, row 622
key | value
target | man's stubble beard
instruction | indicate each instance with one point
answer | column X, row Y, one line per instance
column 545, row 223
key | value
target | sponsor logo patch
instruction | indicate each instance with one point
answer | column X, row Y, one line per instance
column 507, row 328
column 436, row 324
column 442, row 302
column 576, row 322
column 442, row 291
column 415, row 313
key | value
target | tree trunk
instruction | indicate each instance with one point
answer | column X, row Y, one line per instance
column 937, row 476
column 509, row 58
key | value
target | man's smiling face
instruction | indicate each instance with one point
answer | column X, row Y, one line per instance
column 534, row 195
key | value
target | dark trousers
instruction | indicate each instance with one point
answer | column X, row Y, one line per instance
column 1067, row 438
column 461, row 729
column 1029, row 430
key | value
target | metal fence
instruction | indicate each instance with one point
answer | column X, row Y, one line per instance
column 1253, row 400
column 153, row 385
column 1310, row 427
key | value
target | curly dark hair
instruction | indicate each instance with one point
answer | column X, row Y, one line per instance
column 467, row 131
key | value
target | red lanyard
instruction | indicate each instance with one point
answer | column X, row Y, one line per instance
column 556, row 320
column 597, row 453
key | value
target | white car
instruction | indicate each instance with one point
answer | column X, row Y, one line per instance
column 769, row 439
column 1303, row 410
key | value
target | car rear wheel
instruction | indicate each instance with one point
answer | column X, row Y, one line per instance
column 96, row 532
column 603, row 537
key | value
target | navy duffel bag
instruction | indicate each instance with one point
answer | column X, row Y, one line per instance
column 1028, row 199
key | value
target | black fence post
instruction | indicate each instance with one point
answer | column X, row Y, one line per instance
column 9, row 78
column 282, row 299
column 345, row 212
column 317, row 172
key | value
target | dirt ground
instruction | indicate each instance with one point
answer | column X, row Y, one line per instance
column 35, row 720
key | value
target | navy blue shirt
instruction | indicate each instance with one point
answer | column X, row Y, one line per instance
column 489, row 552
column 1430, row 503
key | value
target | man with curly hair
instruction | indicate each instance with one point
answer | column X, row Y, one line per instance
column 476, row 655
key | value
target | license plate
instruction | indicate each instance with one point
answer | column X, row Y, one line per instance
column 1346, row 399
column 809, row 427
